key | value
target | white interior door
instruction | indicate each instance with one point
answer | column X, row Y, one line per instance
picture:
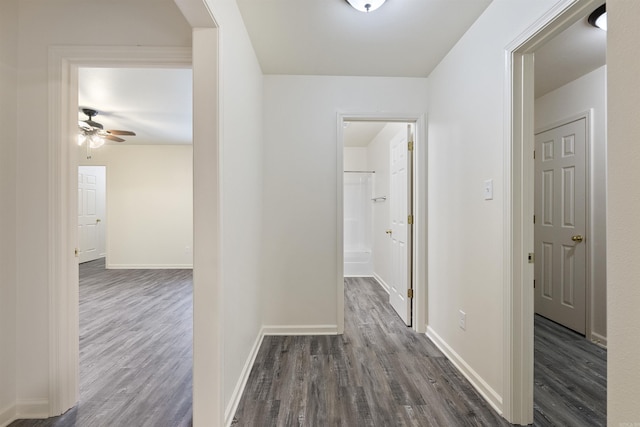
column 91, row 212
column 400, row 198
column 560, row 225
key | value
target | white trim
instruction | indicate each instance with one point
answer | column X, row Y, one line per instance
column 598, row 339
column 300, row 330
column 382, row 283
column 149, row 266
column 419, row 252
column 208, row 298
column 518, row 207
column 64, row 62
column 358, row 275
column 481, row 386
column 30, row 409
column 242, row 381
column 7, row 416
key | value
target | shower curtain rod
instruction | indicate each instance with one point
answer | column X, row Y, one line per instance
column 359, row 171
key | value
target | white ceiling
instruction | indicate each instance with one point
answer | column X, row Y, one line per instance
column 155, row 103
column 573, row 53
column 360, row 134
column 406, row 38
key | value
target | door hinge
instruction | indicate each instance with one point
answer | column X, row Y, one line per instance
column 410, row 145
column 534, row 219
column 410, row 293
column 76, row 252
column 531, row 257
column 534, row 283
column 410, row 220
column 534, row 154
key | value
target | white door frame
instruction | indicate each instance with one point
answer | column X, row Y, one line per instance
column 420, row 185
column 519, row 206
column 64, row 62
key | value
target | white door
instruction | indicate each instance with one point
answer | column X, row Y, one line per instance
column 560, row 225
column 400, row 204
column 91, row 210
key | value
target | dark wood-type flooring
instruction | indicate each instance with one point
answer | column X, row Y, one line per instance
column 570, row 378
column 135, row 349
column 379, row 373
column 135, row 366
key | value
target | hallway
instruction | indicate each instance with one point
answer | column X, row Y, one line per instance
column 379, row 373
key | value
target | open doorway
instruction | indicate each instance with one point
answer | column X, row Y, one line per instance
column 143, row 283
column 570, row 226
column 379, row 207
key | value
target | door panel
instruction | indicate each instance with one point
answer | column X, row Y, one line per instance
column 400, row 198
column 560, row 210
column 91, row 201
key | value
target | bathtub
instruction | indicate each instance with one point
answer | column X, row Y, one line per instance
column 358, row 263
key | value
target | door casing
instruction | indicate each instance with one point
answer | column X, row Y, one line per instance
column 64, row 61
column 420, row 185
column 517, row 394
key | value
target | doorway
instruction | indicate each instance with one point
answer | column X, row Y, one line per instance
column 388, row 228
column 150, row 233
column 519, row 227
column 92, row 199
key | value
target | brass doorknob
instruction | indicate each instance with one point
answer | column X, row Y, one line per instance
column 389, row 232
column 98, row 220
column 577, row 238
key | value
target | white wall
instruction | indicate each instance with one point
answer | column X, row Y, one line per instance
column 300, row 186
column 8, row 139
column 242, row 140
column 623, row 227
column 41, row 24
column 379, row 156
column 149, row 220
column 466, row 233
column 355, row 159
column 588, row 92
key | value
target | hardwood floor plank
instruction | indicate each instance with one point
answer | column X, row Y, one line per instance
column 136, row 359
column 135, row 349
column 569, row 378
column 379, row 373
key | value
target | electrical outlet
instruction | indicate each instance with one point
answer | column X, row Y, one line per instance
column 462, row 320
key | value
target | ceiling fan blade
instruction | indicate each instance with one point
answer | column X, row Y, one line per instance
column 121, row 132
column 113, row 138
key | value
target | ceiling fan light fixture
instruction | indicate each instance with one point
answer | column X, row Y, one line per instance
column 96, row 141
column 598, row 17
column 81, row 139
column 365, row 5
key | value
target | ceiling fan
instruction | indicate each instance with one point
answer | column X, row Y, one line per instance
column 93, row 133
column 90, row 127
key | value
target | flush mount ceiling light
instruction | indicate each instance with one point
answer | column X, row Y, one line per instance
column 599, row 17
column 365, row 5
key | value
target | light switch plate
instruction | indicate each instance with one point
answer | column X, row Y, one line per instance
column 488, row 189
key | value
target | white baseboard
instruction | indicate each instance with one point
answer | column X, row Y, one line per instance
column 358, row 275
column 32, row 409
column 242, row 381
column 382, row 283
column 149, row 266
column 7, row 416
column 485, row 390
column 598, row 339
column 300, row 330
